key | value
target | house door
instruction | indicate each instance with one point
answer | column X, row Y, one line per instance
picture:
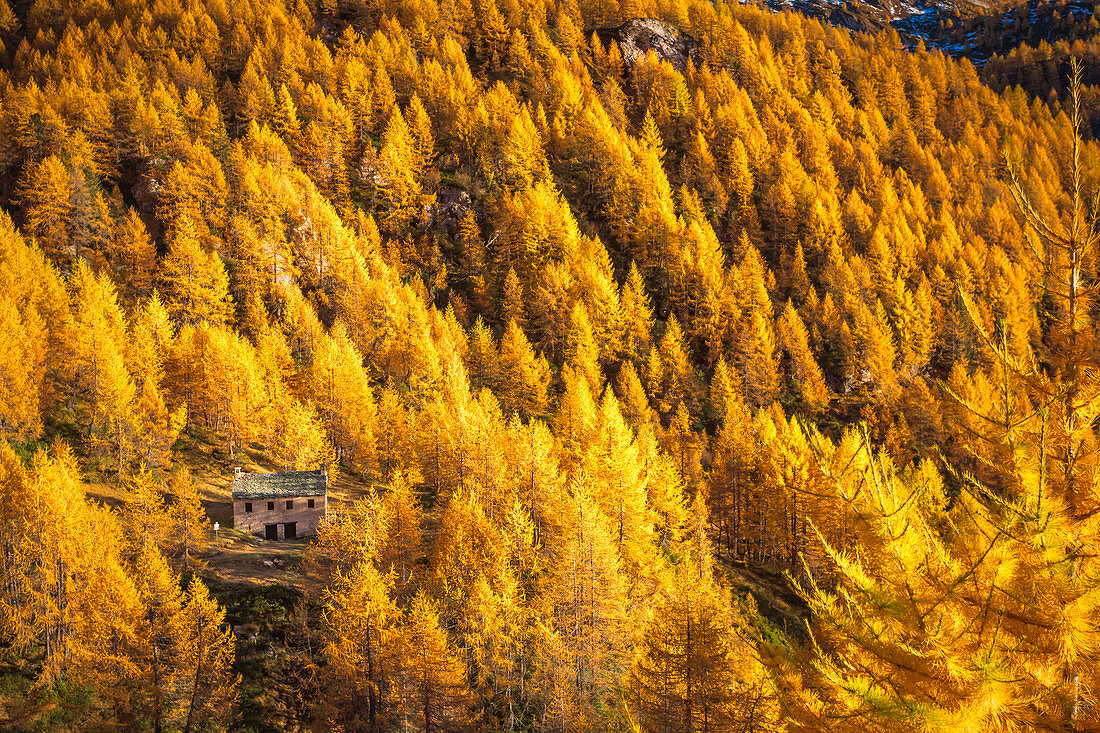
column 290, row 530
column 271, row 531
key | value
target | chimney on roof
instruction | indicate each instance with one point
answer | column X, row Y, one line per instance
column 236, row 470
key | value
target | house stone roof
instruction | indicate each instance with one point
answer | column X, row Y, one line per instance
column 274, row 485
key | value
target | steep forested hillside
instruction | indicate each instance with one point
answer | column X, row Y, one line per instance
column 597, row 328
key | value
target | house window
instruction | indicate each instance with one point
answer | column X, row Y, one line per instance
column 289, row 504
column 248, row 507
column 271, row 506
column 309, row 503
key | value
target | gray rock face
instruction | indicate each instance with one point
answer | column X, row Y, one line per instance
column 450, row 206
column 637, row 37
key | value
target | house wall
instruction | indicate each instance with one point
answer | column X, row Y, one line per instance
column 306, row 519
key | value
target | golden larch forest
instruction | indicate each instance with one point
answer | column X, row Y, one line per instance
column 679, row 366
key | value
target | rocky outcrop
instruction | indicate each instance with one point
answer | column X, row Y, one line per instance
column 637, row 37
column 451, row 204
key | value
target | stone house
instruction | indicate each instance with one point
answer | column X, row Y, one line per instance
column 278, row 506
